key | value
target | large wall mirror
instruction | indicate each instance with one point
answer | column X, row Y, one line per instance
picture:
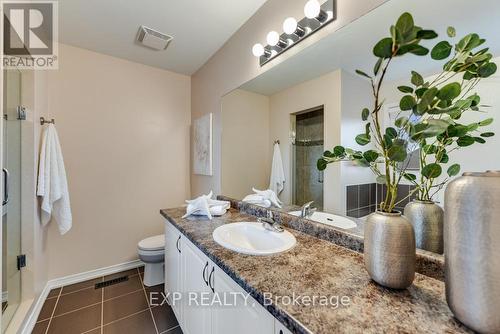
column 312, row 102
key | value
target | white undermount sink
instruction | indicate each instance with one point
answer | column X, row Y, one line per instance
column 253, row 239
column 329, row 219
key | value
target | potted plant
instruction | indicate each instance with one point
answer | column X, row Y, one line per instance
column 389, row 246
column 442, row 101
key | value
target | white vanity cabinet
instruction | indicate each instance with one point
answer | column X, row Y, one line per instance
column 173, row 251
column 245, row 316
column 189, row 271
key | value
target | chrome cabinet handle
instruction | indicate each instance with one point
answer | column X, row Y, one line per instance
column 203, row 274
column 210, row 279
column 5, row 187
column 177, row 244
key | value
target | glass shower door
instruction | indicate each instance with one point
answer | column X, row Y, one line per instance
column 11, row 195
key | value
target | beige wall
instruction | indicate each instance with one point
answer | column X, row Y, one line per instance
column 234, row 64
column 124, row 132
column 246, row 145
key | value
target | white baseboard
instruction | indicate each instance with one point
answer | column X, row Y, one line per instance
column 32, row 316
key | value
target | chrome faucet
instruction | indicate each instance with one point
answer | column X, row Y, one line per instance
column 306, row 211
column 270, row 224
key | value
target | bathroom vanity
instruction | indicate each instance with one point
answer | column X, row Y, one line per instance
column 194, row 262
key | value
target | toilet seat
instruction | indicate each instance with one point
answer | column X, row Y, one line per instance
column 156, row 243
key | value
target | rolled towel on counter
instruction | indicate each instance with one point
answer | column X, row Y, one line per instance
column 206, row 206
column 264, row 198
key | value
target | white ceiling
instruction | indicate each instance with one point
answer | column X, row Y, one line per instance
column 199, row 28
column 350, row 48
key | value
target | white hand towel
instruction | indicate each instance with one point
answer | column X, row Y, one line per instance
column 52, row 183
column 206, row 206
column 277, row 179
column 264, row 198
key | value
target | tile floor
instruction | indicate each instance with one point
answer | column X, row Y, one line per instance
column 119, row 308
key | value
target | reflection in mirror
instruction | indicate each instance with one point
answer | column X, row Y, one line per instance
column 312, row 102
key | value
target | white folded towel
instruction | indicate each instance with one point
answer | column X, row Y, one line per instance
column 264, row 198
column 206, row 206
column 277, row 179
column 52, row 183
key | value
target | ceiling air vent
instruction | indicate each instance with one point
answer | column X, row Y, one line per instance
column 153, row 39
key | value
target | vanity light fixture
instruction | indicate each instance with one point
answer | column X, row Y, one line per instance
column 291, row 27
column 317, row 16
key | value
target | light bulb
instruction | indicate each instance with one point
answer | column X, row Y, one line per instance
column 290, row 25
column 312, row 9
column 258, row 50
column 273, row 38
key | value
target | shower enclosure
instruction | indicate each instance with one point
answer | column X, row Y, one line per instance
column 307, row 149
column 12, row 261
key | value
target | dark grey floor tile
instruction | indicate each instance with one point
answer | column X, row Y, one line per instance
column 47, row 309
column 141, row 323
column 132, row 284
column 164, row 318
column 40, row 327
column 81, row 285
column 76, row 300
column 76, row 322
column 124, row 306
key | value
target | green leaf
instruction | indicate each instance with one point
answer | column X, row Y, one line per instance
column 405, row 24
column 420, row 92
column 465, row 141
column 321, row 164
column 405, row 89
column 410, row 177
column 487, row 134
column 371, row 155
column 427, row 34
column 365, row 113
column 383, row 49
column 432, row 171
column 377, row 66
column 407, row 103
column 430, row 149
column 415, row 49
column 397, row 153
column 391, row 133
column 401, row 122
column 487, row 70
column 450, row 91
column 444, row 158
column 339, row 151
column 363, row 74
column 486, row 122
column 469, row 42
column 363, row 139
column 426, row 100
column 416, row 79
column 441, row 51
column 453, row 170
column 480, row 140
column 451, row 32
column 457, row 130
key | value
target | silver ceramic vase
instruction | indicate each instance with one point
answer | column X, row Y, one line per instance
column 390, row 252
column 427, row 220
column 472, row 250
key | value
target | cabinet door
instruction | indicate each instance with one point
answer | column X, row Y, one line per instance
column 173, row 244
column 279, row 328
column 196, row 308
column 244, row 316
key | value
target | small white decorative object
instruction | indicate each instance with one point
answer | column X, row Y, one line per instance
column 202, row 141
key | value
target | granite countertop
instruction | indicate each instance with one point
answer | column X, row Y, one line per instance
column 316, row 267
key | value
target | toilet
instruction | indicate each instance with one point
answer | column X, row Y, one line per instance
column 152, row 253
